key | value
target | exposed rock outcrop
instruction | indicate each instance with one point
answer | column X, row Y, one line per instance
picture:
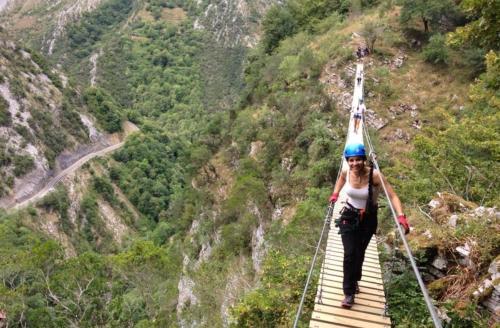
column 230, row 20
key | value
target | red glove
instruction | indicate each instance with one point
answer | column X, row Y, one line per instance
column 404, row 223
column 334, row 197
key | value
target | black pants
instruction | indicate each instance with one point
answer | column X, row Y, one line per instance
column 355, row 244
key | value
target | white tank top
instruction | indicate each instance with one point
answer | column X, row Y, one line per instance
column 357, row 197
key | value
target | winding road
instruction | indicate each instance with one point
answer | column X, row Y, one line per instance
column 52, row 182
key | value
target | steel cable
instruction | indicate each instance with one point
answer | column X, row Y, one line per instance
column 428, row 301
column 326, row 226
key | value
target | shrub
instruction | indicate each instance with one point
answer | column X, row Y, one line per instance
column 71, row 121
column 436, row 52
column 5, row 117
column 473, row 58
column 103, row 186
column 58, row 201
column 406, row 302
column 23, row 164
column 162, row 233
column 104, row 107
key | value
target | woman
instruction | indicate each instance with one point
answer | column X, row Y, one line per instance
column 358, row 219
column 359, row 114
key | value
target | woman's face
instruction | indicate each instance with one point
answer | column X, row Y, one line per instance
column 356, row 163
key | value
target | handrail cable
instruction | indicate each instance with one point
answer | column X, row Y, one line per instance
column 326, row 225
column 428, row 301
column 320, row 297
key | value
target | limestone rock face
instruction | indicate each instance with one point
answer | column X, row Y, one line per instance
column 233, row 22
column 48, row 25
column 37, row 129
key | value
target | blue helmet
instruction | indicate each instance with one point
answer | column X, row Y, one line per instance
column 355, row 149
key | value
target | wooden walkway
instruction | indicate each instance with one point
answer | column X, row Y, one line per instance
column 369, row 304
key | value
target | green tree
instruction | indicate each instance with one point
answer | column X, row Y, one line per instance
column 277, row 25
column 484, row 29
column 371, row 32
column 76, row 290
column 430, row 12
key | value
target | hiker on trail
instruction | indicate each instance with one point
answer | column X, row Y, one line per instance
column 366, row 51
column 359, row 115
column 359, row 53
column 358, row 219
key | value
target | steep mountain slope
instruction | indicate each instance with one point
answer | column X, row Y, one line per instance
column 40, row 120
column 42, row 23
column 170, row 97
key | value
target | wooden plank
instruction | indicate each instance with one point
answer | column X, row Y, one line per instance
column 367, row 287
column 378, row 310
column 366, row 276
column 329, row 255
column 338, row 240
column 339, row 269
column 341, row 257
column 338, row 297
column 337, row 319
column 370, row 262
column 335, row 236
column 363, row 290
column 365, row 268
column 339, row 272
column 340, row 248
column 333, row 275
column 368, row 253
column 341, row 252
column 352, row 313
column 336, row 287
column 332, row 253
column 340, row 264
column 363, row 283
column 338, row 244
column 321, row 324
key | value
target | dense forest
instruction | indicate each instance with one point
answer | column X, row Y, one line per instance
column 238, row 142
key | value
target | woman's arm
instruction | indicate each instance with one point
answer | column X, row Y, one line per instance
column 338, row 186
column 340, row 182
column 393, row 197
column 396, row 203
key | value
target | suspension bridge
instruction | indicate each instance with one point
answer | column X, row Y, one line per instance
column 370, row 307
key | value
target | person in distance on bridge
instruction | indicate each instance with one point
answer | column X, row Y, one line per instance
column 359, row 114
column 358, row 219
